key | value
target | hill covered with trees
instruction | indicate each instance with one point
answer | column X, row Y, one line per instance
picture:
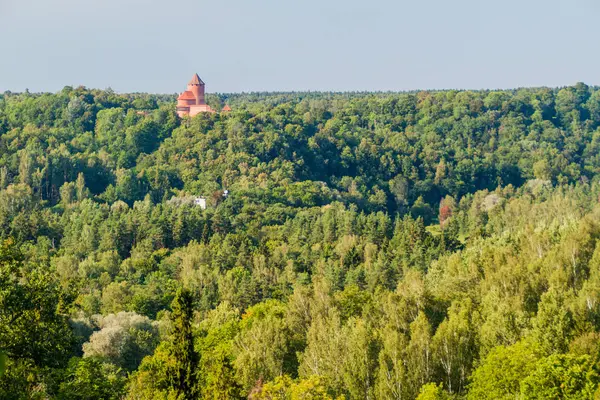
column 430, row 245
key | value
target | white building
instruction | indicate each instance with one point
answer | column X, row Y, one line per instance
column 200, row 201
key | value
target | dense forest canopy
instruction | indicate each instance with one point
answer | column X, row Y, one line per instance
column 430, row 245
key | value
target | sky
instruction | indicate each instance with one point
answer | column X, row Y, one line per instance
column 295, row 45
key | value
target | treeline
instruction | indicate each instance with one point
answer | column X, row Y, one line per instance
column 425, row 245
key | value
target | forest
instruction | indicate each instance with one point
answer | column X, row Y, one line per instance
column 432, row 245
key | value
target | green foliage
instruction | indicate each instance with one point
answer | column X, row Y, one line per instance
column 153, row 379
column 553, row 322
column 184, row 381
column 432, row 244
column 33, row 321
column 562, row 376
column 3, row 360
column 285, row 388
column 431, row 391
column 218, row 331
column 455, row 344
column 89, row 378
column 499, row 376
column 23, row 380
column 261, row 346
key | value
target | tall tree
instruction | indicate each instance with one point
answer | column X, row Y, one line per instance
column 186, row 358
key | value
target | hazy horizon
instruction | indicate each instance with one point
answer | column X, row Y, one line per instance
column 338, row 46
column 175, row 93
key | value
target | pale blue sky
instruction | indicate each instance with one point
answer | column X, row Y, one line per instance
column 280, row 45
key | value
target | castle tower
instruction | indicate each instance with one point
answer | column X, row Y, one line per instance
column 196, row 86
column 192, row 101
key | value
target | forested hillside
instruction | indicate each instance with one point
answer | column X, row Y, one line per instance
column 430, row 245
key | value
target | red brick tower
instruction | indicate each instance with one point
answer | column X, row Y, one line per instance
column 196, row 86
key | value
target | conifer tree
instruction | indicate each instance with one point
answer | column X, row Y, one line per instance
column 184, row 381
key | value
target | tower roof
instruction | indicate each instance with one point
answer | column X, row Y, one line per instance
column 196, row 80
